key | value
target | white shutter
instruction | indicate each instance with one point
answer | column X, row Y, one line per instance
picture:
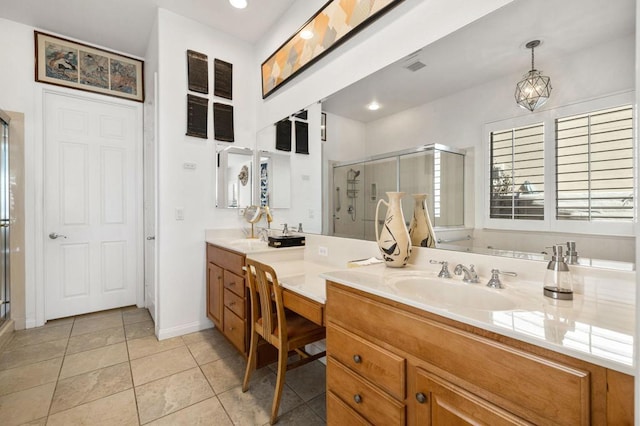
column 594, row 166
column 517, row 173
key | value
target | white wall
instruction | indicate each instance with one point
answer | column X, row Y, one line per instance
column 180, row 244
column 18, row 93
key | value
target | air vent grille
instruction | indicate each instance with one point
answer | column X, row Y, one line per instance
column 415, row 66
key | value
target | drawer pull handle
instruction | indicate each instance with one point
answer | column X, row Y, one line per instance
column 232, row 283
column 422, row 398
column 231, row 329
column 357, row 398
column 357, row 359
column 232, row 303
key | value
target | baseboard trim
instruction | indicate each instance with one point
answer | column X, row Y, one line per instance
column 167, row 333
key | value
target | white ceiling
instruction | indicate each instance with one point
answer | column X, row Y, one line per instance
column 124, row 25
column 485, row 50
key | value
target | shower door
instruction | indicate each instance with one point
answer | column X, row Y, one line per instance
column 4, row 218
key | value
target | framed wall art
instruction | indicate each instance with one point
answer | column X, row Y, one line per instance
column 223, row 122
column 197, row 113
column 198, row 72
column 222, row 79
column 331, row 26
column 71, row 64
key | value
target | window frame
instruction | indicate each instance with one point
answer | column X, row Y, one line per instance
column 548, row 118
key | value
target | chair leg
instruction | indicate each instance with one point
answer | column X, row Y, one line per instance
column 251, row 362
column 282, row 370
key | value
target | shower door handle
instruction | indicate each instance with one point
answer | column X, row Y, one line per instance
column 337, row 198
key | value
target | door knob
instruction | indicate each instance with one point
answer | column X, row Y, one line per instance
column 151, row 238
column 55, row 236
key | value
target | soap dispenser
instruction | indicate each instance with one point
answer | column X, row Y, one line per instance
column 557, row 279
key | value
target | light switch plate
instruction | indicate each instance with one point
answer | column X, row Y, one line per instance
column 179, row 213
column 189, row 166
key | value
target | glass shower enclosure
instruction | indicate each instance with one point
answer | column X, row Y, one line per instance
column 436, row 170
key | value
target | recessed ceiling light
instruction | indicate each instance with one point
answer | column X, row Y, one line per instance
column 238, row 4
column 373, row 106
column 306, row 34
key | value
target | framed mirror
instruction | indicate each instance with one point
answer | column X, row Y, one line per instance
column 235, row 177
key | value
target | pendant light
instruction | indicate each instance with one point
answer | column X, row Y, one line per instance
column 534, row 89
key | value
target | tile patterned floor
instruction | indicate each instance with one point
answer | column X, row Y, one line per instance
column 108, row 368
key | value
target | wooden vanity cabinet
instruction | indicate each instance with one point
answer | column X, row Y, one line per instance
column 422, row 369
column 228, row 302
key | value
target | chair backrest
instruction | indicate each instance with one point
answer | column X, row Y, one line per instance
column 265, row 290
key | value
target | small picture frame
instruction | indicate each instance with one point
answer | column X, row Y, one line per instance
column 222, row 79
column 223, row 122
column 198, row 72
column 197, row 114
column 76, row 65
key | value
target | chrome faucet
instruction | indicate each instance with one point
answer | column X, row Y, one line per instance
column 494, row 282
column 444, row 272
column 470, row 275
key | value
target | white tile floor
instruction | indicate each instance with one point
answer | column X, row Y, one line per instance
column 108, row 368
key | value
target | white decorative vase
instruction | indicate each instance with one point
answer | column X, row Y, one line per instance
column 393, row 240
column 421, row 230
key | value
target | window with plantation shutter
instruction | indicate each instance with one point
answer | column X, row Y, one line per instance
column 594, row 166
column 517, row 173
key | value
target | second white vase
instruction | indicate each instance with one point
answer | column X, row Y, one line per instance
column 393, row 241
column 421, row 229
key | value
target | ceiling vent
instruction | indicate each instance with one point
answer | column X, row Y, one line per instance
column 414, row 65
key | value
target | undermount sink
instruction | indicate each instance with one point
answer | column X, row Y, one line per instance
column 448, row 295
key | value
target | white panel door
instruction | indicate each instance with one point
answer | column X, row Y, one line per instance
column 90, row 204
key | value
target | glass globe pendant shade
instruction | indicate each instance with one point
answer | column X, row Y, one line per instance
column 533, row 91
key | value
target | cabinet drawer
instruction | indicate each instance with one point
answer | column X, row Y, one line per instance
column 339, row 413
column 380, row 366
column 234, row 282
column 234, row 302
column 368, row 401
column 234, row 329
column 226, row 259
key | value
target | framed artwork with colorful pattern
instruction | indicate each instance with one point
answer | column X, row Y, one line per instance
column 332, row 25
column 71, row 64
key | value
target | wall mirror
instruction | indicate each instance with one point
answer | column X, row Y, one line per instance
column 450, row 91
column 235, row 177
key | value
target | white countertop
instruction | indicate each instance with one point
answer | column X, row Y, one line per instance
column 597, row 327
column 594, row 330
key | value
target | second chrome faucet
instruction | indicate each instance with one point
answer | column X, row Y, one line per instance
column 470, row 275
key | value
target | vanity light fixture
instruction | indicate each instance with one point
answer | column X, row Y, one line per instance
column 534, row 89
column 306, row 34
column 238, row 4
column 373, row 106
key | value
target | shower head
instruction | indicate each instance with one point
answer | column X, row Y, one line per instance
column 356, row 173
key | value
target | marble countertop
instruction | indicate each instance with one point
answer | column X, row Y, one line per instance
column 593, row 329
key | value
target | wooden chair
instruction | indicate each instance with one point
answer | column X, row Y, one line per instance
column 285, row 330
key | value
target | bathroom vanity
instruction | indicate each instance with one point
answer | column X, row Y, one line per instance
column 412, row 366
